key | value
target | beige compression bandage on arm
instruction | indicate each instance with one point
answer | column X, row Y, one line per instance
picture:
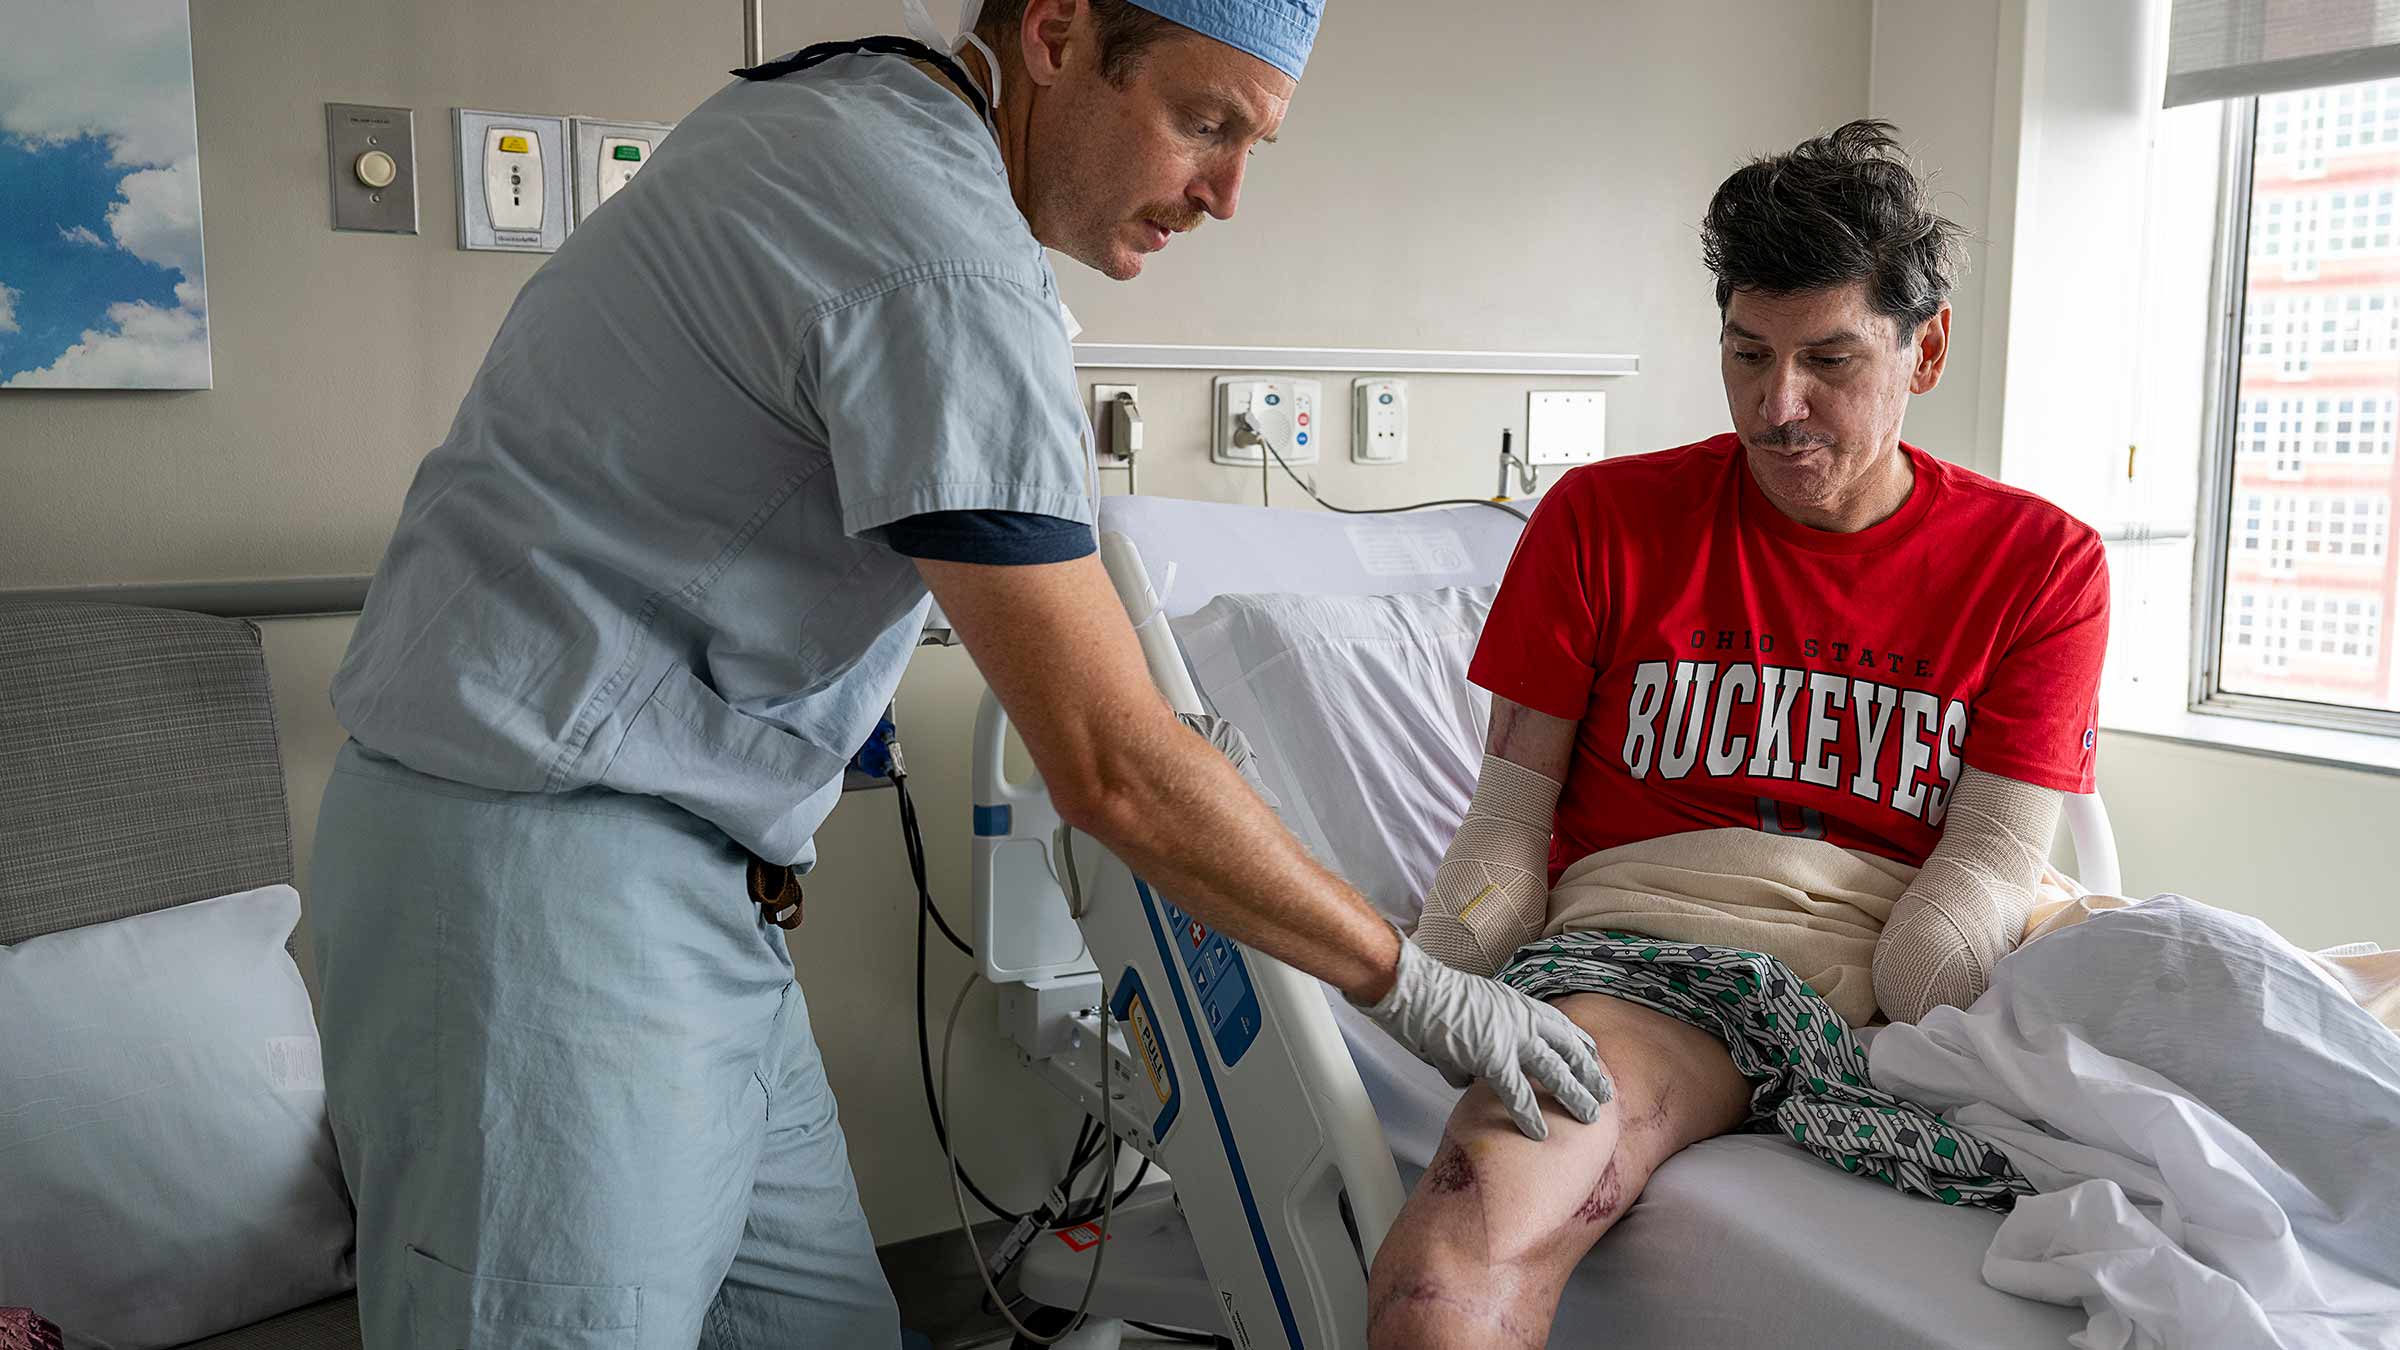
column 1492, row 892
column 1967, row 907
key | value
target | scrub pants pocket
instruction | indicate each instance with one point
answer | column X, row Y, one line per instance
column 451, row 1310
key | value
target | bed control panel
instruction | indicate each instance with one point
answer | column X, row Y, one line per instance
column 1214, row 963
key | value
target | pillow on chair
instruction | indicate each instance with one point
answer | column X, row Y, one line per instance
column 166, row 1170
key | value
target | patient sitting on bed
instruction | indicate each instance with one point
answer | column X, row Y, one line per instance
column 1780, row 725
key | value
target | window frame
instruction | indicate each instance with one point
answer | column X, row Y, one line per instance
column 2213, row 549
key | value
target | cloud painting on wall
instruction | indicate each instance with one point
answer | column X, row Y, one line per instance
column 101, row 284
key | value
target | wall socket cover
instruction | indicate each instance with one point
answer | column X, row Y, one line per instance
column 1566, row 426
column 473, row 130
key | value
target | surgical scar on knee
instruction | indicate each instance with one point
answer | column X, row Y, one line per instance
column 1451, row 1172
column 1431, row 1297
column 1606, row 1199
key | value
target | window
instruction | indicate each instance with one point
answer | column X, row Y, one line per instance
column 2300, row 545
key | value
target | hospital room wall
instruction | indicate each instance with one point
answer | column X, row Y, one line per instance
column 1527, row 182
column 2015, row 100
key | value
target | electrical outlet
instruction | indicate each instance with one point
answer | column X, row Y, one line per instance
column 1378, row 421
column 1104, row 439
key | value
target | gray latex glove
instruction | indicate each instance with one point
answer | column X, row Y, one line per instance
column 1472, row 1027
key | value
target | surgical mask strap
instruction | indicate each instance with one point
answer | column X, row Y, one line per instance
column 991, row 61
column 922, row 27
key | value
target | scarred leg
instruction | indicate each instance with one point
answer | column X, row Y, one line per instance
column 1483, row 1249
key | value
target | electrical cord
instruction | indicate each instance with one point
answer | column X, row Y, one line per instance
column 914, row 839
column 1250, row 424
column 1081, row 1155
column 1087, row 1140
column 958, row 1195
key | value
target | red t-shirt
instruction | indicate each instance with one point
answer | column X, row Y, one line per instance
column 1733, row 667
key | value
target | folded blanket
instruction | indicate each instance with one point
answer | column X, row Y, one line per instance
column 1818, row 908
column 1814, row 906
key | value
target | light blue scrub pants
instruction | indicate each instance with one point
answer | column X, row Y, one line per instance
column 572, row 1080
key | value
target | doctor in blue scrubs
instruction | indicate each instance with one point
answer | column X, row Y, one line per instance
column 654, row 588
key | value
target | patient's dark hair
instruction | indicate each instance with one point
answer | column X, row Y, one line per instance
column 1839, row 208
column 1127, row 31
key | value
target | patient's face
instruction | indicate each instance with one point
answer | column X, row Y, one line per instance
column 1817, row 382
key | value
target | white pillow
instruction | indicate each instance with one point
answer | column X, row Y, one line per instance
column 1367, row 730
column 166, row 1170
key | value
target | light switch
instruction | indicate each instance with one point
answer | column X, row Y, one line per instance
column 512, row 181
column 376, row 169
column 371, row 154
column 608, row 155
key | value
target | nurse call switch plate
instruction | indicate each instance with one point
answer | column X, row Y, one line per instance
column 512, row 181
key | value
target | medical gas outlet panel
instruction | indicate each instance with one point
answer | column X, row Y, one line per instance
column 525, row 181
column 607, row 156
column 512, row 181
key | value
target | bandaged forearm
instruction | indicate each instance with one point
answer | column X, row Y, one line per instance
column 1967, row 907
column 1491, row 894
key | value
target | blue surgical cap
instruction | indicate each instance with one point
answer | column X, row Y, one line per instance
column 1278, row 32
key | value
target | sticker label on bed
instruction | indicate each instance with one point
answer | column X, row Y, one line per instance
column 1227, row 1000
column 1408, row 550
column 1132, row 1007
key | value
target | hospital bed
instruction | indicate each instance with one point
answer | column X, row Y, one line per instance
column 1288, row 1123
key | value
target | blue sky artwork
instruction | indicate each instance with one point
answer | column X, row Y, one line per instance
column 101, row 280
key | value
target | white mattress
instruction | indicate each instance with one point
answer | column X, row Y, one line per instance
column 1738, row 1241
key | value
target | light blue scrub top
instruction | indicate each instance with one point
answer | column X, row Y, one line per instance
column 647, row 557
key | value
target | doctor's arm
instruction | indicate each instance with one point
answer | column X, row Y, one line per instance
column 1967, row 906
column 1054, row 644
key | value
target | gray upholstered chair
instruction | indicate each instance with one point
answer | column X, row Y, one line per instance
column 138, row 770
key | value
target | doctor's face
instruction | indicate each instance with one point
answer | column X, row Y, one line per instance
column 1114, row 171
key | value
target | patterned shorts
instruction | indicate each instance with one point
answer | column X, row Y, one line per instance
column 1807, row 1071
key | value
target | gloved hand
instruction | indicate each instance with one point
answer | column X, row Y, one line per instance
column 1472, row 1027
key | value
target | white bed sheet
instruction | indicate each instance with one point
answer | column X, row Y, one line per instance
column 1738, row 1241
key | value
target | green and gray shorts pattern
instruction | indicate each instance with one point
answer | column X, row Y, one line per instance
column 1807, row 1070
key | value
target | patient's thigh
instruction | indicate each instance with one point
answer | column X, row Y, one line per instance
column 1544, row 1203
